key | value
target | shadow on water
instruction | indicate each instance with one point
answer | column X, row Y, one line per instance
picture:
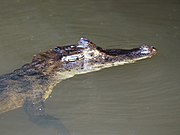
column 37, row 114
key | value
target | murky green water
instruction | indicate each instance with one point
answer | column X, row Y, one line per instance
column 135, row 99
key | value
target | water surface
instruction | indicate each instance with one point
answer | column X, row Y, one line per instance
column 135, row 99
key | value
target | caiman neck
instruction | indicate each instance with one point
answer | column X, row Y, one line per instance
column 39, row 84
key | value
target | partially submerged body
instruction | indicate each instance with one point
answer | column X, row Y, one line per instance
column 34, row 82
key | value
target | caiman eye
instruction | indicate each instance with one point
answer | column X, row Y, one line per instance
column 91, row 54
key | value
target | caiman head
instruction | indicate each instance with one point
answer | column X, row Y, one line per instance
column 85, row 57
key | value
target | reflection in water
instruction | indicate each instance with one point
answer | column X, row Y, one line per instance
column 38, row 115
column 49, row 121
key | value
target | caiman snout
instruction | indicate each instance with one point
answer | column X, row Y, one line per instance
column 148, row 50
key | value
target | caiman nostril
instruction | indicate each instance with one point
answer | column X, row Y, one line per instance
column 153, row 47
column 153, row 50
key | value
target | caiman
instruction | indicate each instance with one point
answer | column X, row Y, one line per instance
column 34, row 82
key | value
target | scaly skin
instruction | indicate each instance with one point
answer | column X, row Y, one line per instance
column 34, row 82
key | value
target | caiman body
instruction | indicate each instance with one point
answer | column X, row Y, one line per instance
column 34, row 82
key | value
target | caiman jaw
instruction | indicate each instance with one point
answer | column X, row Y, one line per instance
column 129, row 55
